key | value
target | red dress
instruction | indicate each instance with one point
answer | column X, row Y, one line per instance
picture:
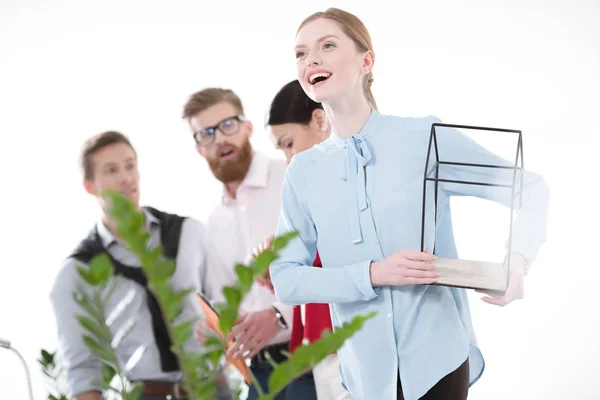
column 317, row 319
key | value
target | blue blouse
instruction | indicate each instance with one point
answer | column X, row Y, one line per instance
column 356, row 216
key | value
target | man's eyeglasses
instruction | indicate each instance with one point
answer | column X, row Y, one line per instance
column 228, row 127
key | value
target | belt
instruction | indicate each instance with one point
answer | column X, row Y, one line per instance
column 275, row 352
column 156, row 388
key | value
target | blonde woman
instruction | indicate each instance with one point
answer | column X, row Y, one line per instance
column 356, row 197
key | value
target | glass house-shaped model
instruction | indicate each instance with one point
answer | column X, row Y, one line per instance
column 471, row 273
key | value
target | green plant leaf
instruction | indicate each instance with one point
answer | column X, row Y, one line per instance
column 104, row 386
column 137, row 244
column 227, row 320
column 162, row 269
column 162, row 290
column 108, row 373
column 263, row 261
column 174, row 304
column 152, row 256
column 114, row 283
column 183, row 331
column 97, row 349
column 214, row 349
column 213, row 357
column 130, row 224
column 245, row 276
column 220, row 307
column 206, row 388
column 85, row 302
column 94, row 327
column 101, row 269
column 135, row 393
column 282, row 241
column 306, row 357
column 47, row 357
column 118, row 204
column 188, row 361
column 86, row 275
column 214, row 341
column 233, row 296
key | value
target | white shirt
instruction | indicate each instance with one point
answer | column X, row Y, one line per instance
column 237, row 226
column 83, row 367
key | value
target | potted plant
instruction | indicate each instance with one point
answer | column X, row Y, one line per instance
column 204, row 376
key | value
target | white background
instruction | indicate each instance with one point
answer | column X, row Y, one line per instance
column 70, row 69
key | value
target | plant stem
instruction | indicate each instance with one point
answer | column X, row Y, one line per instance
column 256, row 384
column 100, row 305
column 177, row 350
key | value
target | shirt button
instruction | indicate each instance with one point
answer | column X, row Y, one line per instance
column 375, row 242
column 389, row 315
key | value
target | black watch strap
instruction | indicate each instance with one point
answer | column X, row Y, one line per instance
column 280, row 320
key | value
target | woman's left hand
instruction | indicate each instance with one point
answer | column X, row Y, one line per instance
column 516, row 285
column 265, row 279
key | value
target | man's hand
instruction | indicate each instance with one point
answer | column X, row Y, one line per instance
column 516, row 285
column 252, row 332
column 265, row 280
column 404, row 267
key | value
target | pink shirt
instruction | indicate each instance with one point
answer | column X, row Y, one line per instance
column 237, row 226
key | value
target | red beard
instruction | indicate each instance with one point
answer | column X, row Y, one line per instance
column 228, row 171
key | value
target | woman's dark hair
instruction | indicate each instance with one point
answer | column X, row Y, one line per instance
column 291, row 105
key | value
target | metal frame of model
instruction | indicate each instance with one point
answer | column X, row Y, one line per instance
column 432, row 175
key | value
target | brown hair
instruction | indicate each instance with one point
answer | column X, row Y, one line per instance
column 206, row 98
column 95, row 144
column 353, row 27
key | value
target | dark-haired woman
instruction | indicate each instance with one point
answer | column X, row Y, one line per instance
column 296, row 123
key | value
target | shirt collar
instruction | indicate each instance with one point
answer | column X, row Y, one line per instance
column 364, row 132
column 108, row 238
column 256, row 177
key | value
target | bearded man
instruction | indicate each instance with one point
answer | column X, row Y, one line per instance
column 247, row 213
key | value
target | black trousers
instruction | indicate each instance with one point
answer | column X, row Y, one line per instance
column 454, row 386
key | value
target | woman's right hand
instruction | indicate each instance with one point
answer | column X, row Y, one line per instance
column 267, row 244
column 405, row 267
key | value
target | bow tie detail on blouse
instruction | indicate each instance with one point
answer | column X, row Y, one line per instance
column 357, row 157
